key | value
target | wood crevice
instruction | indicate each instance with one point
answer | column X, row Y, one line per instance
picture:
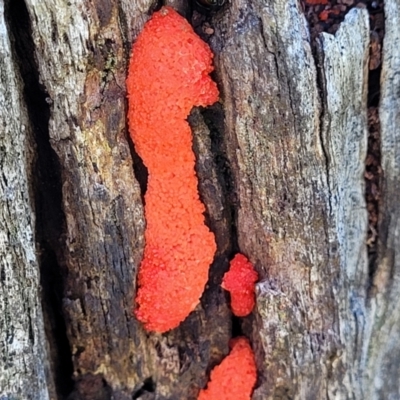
column 47, row 196
column 373, row 163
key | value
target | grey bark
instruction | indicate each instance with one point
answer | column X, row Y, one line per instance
column 281, row 163
column 298, row 160
column 24, row 365
column 382, row 350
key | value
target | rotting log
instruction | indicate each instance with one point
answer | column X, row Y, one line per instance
column 281, row 162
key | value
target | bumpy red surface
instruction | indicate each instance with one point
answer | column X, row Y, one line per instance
column 239, row 281
column 168, row 75
column 235, row 377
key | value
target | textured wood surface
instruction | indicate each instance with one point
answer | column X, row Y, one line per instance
column 24, row 366
column 344, row 61
column 296, row 140
column 101, row 247
column 280, row 161
column 382, row 347
column 82, row 58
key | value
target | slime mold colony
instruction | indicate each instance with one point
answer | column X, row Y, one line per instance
column 235, row 377
column 168, row 75
column 239, row 281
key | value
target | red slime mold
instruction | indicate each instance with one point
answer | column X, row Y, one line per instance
column 239, row 281
column 168, row 75
column 235, row 377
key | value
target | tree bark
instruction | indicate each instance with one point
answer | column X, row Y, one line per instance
column 281, row 163
column 298, row 158
column 24, row 366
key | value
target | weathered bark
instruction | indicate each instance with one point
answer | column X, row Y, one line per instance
column 281, row 163
column 101, row 246
column 24, row 365
column 298, row 159
column 381, row 346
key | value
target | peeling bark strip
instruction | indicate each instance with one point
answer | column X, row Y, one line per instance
column 82, row 63
column 272, row 117
column 24, row 367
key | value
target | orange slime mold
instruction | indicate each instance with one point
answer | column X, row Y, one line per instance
column 239, row 281
column 168, row 75
column 235, row 377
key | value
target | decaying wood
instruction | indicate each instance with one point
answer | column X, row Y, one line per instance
column 103, row 242
column 81, row 58
column 24, row 366
column 298, row 163
column 280, row 162
column 344, row 60
column 381, row 347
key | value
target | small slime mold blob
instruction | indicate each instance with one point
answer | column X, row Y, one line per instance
column 239, row 281
column 235, row 377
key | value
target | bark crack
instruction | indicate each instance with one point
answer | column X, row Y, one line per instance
column 47, row 192
column 373, row 166
column 321, row 85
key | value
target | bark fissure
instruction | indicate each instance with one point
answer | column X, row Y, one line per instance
column 140, row 170
column 318, row 57
column 373, row 162
column 146, row 388
column 213, row 118
column 47, row 195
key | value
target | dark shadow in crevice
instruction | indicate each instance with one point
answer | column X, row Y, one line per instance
column 207, row 7
column 214, row 119
column 373, row 164
column 47, row 193
column 140, row 170
column 148, row 386
column 52, row 289
column 374, row 87
column 373, row 170
column 236, row 326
